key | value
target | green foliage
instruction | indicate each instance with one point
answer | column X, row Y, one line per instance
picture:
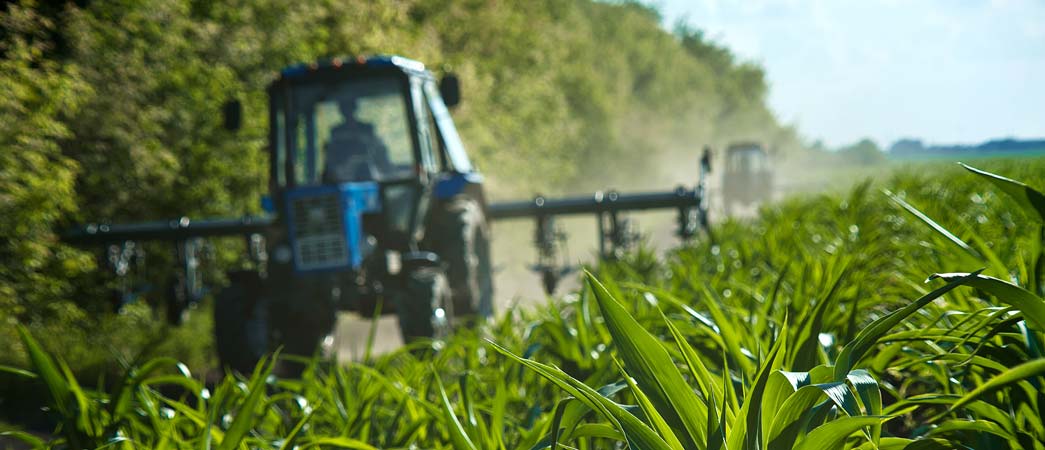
column 113, row 112
column 808, row 327
column 36, row 179
column 817, row 335
column 114, row 115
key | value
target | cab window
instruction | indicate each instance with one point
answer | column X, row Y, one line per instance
column 452, row 149
column 427, row 132
column 349, row 130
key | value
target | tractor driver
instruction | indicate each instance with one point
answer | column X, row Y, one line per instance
column 355, row 152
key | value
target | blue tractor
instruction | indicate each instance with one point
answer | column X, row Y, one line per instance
column 373, row 206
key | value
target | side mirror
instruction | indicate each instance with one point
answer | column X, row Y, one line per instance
column 233, row 112
column 450, row 90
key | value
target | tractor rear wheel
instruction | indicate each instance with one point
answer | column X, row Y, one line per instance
column 463, row 243
column 424, row 304
column 241, row 322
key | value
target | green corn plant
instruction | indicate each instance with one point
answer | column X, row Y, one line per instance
column 778, row 409
column 808, row 327
column 999, row 352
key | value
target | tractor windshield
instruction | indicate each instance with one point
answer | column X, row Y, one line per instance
column 747, row 160
column 349, row 130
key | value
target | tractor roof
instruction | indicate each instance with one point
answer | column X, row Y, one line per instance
column 746, row 147
column 303, row 70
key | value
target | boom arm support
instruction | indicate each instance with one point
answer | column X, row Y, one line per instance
column 614, row 232
column 172, row 230
column 187, row 286
column 600, row 202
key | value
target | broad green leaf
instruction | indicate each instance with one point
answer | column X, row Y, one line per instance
column 639, row 434
column 1015, row 375
column 656, row 421
column 336, row 442
column 1032, row 306
column 48, row 371
column 888, row 443
column 27, row 438
column 717, row 428
column 831, row 435
column 84, row 411
column 249, row 408
column 745, row 433
column 931, row 444
column 870, row 396
column 575, row 410
column 855, row 349
column 731, row 336
column 780, row 386
column 1032, row 201
column 655, row 373
column 17, row 371
column 707, row 383
column 935, row 226
column 961, row 425
column 291, row 438
column 791, row 417
column 598, row 430
column 804, row 352
column 457, row 434
column 129, row 384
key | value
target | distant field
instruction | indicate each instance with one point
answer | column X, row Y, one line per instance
column 810, row 325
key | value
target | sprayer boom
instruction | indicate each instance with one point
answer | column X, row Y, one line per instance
column 616, row 233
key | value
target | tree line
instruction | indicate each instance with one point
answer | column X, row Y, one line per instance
column 111, row 109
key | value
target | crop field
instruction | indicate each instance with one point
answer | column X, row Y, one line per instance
column 906, row 313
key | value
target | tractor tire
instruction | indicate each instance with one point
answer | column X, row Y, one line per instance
column 300, row 323
column 241, row 323
column 464, row 244
column 424, row 305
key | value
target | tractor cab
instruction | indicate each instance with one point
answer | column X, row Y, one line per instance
column 357, row 147
column 746, row 158
column 376, row 208
column 748, row 177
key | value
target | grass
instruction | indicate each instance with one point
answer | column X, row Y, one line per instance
column 819, row 325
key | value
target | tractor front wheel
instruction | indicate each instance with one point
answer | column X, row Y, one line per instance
column 241, row 322
column 424, row 304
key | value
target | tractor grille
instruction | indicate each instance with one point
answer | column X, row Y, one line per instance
column 319, row 232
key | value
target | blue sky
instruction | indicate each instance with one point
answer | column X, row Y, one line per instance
column 945, row 71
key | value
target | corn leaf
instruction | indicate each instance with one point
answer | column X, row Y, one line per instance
column 1032, row 306
column 248, row 409
column 654, row 371
column 1017, row 374
column 935, row 226
column 638, row 434
column 855, row 349
column 831, row 435
column 457, row 433
column 1032, row 201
